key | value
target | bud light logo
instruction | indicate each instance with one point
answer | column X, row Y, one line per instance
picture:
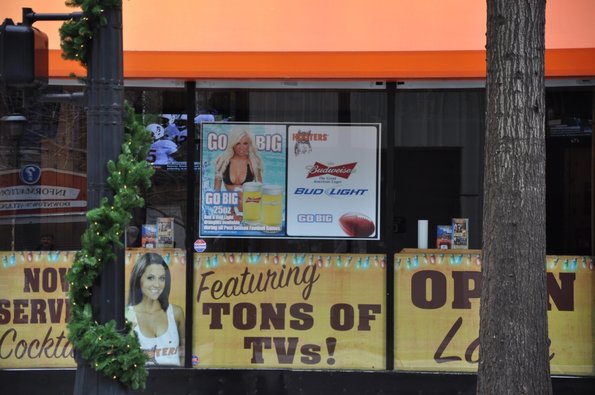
column 30, row 174
column 331, row 191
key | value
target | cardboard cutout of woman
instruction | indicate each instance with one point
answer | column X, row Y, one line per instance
column 158, row 324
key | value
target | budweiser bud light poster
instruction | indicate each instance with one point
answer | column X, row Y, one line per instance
column 290, row 180
column 333, row 183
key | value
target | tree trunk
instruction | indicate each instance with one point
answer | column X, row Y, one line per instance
column 513, row 315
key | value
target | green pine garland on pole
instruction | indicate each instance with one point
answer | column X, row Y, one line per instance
column 117, row 355
column 76, row 35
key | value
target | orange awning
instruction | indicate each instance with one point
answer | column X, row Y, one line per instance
column 567, row 63
column 313, row 39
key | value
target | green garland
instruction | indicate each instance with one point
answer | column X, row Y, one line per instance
column 107, row 350
column 76, row 35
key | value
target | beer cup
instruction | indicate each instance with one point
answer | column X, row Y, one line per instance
column 272, row 198
column 251, row 202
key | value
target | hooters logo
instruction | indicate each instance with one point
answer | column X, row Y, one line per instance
column 343, row 171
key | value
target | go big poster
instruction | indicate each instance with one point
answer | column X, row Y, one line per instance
column 264, row 310
column 34, row 309
column 437, row 312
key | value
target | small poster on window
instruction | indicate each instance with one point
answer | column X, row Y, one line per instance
column 444, row 237
column 460, row 233
column 165, row 232
column 149, row 236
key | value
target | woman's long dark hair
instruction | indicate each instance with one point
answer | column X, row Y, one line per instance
column 136, row 295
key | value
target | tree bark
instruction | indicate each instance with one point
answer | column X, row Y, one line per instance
column 514, row 357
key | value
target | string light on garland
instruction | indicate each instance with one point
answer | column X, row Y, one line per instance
column 109, row 351
column 76, row 35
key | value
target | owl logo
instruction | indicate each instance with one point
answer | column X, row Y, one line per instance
column 302, row 143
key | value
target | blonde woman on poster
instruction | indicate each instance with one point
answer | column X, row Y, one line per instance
column 158, row 324
column 239, row 163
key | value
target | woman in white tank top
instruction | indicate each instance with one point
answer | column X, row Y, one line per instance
column 158, row 324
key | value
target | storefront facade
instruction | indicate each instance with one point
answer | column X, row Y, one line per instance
column 325, row 290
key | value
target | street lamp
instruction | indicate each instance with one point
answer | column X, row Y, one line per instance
column 13, row 126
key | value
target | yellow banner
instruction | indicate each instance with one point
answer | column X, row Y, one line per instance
column 437, row 312
column 267, row 310
column 34, row 309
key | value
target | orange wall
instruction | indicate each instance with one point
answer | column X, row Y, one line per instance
column 321, row 26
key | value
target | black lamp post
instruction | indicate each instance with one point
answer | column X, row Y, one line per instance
column 105, row 128
column 13, row 126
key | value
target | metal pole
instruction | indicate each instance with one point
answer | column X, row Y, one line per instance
column 389, row 216
column 592, row 177
column 104, row 138
column 105, row 130
column 30, row 16
column 190, row 218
